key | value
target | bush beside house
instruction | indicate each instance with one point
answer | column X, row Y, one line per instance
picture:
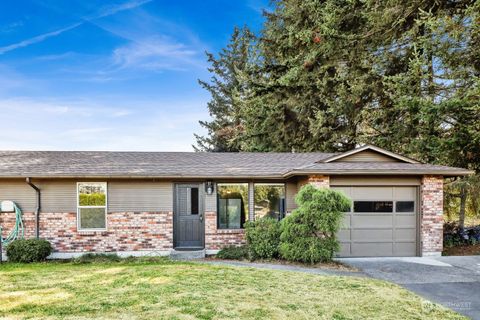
column 263, row 238
column 233, row 253
column 28, row 250
column 308, row 235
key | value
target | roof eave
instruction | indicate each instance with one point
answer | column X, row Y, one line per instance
column 172, row 177
column 445, row 173
column 289, row 174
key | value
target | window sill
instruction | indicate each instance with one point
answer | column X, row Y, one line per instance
column 230, row 230
column 91, row 231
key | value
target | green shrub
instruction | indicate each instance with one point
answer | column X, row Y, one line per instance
column 263, row 238
column 97, row 257
column 309, row 233
column 28, row 250
column 233, row 253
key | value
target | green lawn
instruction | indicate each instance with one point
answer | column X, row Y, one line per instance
column 175, row 290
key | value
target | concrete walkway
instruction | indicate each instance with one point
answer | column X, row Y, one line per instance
column 451, row 281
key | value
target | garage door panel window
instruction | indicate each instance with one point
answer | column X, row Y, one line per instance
column 405, row 206
column 373, row 206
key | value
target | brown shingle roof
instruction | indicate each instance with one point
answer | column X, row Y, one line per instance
column 150, row 164
column 42, row 164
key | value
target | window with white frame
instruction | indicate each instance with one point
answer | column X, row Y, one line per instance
column 92, row 205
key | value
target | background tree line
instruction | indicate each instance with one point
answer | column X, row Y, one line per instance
column 328, row 75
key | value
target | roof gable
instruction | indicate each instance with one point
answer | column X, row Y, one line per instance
column 369, row 153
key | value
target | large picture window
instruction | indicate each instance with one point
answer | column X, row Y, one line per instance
column 92, row 205
column 269, row 200
column 232, row 205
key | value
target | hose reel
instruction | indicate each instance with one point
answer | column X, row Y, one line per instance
column 17, row 231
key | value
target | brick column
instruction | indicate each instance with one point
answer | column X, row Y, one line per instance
column 210, row 230
column 431, row 223
column 319, row 181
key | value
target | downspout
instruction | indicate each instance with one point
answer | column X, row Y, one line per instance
column 37, row 210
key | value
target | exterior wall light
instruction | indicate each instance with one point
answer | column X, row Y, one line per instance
column 209, row 187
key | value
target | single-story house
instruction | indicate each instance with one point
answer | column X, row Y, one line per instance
column 151, row 203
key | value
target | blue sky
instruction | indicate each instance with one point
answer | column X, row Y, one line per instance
column 110, row 75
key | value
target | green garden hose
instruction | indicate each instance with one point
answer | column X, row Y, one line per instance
column 18, row 231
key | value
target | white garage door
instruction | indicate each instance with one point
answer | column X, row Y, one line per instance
column 382, row 222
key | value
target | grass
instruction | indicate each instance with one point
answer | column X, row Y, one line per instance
column 162, row 289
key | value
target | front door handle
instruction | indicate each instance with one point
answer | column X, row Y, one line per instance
column 201, row 217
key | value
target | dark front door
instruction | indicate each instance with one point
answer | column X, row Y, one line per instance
column 189, row 222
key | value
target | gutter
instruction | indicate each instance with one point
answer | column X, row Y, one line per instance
column 143, row 177
column 37, row 209
column 445, row 173
column 280, row 176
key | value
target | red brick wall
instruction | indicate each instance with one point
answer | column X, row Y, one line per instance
column 216, row 239
column 7, row 222
column 432, row 215
column 319, row 181
column 126, row 231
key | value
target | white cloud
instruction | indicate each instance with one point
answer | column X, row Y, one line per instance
column 12, row 80
column 37, row 39
column 121, row 113
column 61, row 108
column 113, row 9
column 57, row 109
column 51, row 57
column 82, row 132
column 156, row 53
column 11, row 26
column 29, row 124
column 106, row 11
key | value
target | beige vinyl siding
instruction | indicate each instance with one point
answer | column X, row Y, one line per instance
column 251, row 201
column 19, row 192
column 127, row 196
column 374, row 181
column 58, row 195
column 368, row 156
column 301, row 182
column 290, row 193
column 61, row 195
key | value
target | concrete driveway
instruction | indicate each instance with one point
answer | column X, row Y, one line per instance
column 451, row 281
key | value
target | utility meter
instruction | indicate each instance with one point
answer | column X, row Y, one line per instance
column 7, row 206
